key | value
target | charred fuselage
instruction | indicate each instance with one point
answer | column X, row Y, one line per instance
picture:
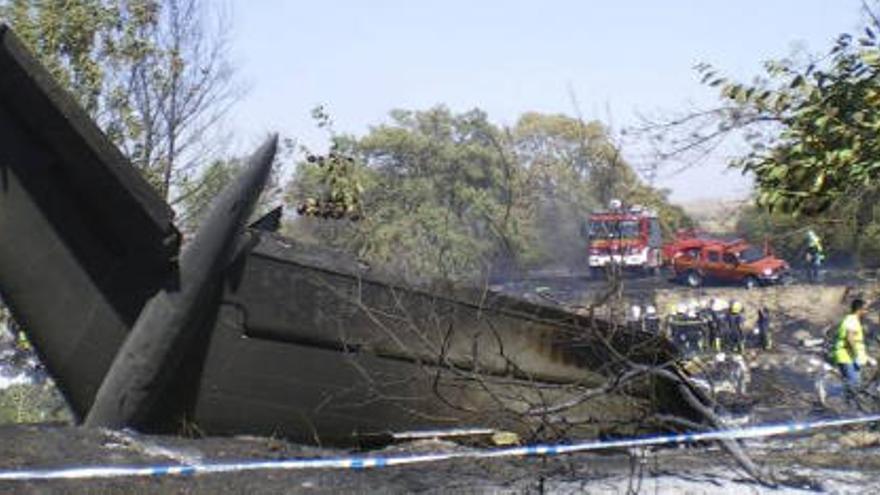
column 280, row 337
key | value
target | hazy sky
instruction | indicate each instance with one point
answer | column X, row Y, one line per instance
column 621, row 58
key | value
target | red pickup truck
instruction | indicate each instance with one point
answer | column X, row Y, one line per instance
column 695, row 260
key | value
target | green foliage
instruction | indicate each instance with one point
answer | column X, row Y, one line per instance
column 453, row 195
column 197, row 195
column 827, row 116
column 341, row 192
column 150, row 72
column 25, row 402
column 65, row 36
column 438, row 195
column 86, row 45
column 844, row 239
column 814, row 149
column 32, row 403
column 573, row 168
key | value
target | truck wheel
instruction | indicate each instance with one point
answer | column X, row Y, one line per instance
column 693, row 278
column 750, row 282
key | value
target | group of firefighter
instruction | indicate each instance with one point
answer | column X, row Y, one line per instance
column 706, row 325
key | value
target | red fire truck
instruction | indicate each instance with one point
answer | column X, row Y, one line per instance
column 629, row 237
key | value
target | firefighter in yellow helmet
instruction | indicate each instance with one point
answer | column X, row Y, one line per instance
column 684, row 330
column 735, row 322
column 719, row 323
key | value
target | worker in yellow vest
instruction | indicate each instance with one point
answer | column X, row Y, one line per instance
column 815, row 256
column 849, row 346
column 22, row 342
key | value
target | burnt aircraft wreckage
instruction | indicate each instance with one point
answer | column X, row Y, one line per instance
column 245, row 331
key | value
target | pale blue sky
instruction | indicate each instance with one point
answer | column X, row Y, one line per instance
column 364, row 58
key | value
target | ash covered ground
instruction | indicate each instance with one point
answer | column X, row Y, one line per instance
column 833, row 461
column 780, row 385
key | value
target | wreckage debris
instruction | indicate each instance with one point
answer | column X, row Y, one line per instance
column 250, row 332
column 167, row 323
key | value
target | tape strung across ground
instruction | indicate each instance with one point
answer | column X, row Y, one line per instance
column 363, row 462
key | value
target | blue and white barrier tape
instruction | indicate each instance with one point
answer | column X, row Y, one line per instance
column 363, row 462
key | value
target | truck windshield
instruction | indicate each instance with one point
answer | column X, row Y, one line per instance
column 614, row 229
column 751, row 254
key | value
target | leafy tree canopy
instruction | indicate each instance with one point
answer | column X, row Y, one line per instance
column 154, row 74
column 454, row 195
column 825, row 118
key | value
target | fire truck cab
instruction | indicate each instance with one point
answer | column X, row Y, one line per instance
column 629, row 237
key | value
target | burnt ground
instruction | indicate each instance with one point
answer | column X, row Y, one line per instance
column 782, row 382
column 780, row 386
column 829, row 462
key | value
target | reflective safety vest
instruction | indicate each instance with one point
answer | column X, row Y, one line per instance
column 22, row 341
column 814, row 244
column 842, row 354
